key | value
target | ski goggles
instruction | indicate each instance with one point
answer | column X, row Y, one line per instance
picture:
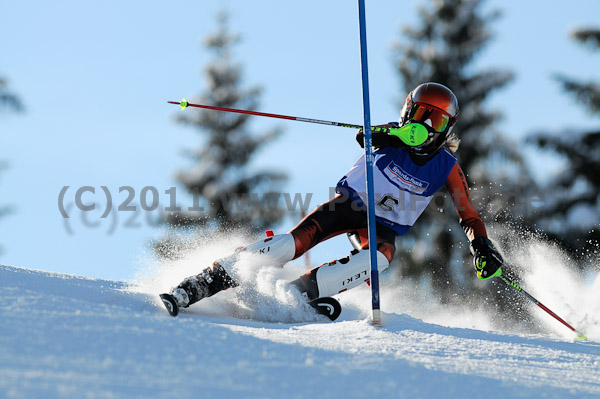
column 436, row 118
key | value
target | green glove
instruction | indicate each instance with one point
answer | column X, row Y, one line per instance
column 488, row 262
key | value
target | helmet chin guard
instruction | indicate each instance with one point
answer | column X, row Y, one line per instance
column 413, row 134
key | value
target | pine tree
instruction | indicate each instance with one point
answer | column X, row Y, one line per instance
column 572, row 213
column 9, row 101
column 442, row 49
column 230, row 194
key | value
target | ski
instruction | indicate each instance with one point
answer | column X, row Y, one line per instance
column 327, row 306
column 170, row 304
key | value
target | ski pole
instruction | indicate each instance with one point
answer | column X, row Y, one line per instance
column 511, row 283
column 412, row 134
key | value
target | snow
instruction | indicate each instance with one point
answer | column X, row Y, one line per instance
column 66, row 336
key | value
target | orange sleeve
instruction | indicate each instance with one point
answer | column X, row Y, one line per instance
column 468, row 216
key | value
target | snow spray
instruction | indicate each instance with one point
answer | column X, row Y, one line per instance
column 263, row 293
column 546, row 270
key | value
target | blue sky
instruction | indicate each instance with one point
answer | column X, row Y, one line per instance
column 95, row 78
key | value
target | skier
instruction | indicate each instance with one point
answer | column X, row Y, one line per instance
column 409, row 168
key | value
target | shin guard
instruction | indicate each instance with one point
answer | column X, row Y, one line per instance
column 346, row 273
column 340, row 275
column 277, row 250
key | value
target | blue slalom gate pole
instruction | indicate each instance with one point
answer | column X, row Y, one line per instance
column 369, row 164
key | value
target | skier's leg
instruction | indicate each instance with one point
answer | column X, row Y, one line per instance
column 330, row 219
column 342, row 274
column 277, row 249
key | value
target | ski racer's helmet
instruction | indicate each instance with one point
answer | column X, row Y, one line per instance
column 434, row 106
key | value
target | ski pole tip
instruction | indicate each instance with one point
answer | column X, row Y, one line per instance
column 183, row 103
column 580, row 336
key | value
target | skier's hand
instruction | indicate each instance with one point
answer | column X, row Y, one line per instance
column 380, row 139
column 488, row 262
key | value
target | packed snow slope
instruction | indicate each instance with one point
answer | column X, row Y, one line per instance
column 65, row 336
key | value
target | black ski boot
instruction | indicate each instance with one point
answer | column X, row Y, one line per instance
column 307, row 285
column 206, row 284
